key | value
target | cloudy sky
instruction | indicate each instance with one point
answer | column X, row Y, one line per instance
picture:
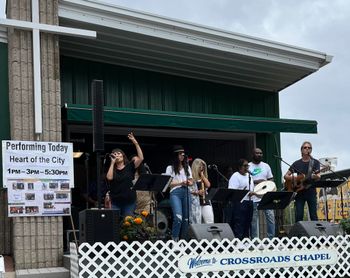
column 320, row 25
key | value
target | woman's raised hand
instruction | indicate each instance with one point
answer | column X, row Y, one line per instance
column 132, row 138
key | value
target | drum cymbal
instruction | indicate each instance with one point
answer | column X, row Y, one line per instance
column 264, row 187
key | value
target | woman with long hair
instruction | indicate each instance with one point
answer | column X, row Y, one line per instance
column 179, row 192
column 121, row 173
column 201, row 210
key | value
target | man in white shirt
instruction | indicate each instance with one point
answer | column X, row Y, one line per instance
column 260, row 172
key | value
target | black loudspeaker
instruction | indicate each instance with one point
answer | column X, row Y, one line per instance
column 97, row 115
column 211, row 231
column 314, row 228
column 99, row 225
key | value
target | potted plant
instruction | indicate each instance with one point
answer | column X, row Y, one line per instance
column 138, row 227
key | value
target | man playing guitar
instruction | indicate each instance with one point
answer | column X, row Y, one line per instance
column 299, row 178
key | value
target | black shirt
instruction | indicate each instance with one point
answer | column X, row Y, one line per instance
column 121, row 184
column 302, row 167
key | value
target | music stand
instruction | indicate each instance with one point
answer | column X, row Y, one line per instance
column 276, row 200
column 328, row 183
column 323, row 184
column 153, row 183
column 226, row 195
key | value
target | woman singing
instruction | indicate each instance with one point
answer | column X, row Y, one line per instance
column 201, row 207
column 179, row 193
column 121, row 173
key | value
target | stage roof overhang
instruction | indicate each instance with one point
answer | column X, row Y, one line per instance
column 194, row 121
column 141, row 40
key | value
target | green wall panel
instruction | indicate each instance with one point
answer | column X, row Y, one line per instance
column 132, row 88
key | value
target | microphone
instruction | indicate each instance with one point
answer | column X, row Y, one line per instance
column 105, row 158
column 147, row 168
column 212, row 167
column 110, row 155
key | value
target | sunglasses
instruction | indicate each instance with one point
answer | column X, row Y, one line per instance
column 307, row 148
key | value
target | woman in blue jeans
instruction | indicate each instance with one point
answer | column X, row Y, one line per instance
column 121, row 173
column 179, row 192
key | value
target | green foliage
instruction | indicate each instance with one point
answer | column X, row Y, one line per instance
column 345, row 224
column 138, row 227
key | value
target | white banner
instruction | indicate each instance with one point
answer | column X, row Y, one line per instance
column 256, row 260
column 37, row 160
column 38, row 176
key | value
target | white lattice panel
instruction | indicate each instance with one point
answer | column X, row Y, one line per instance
column 160, row 259
column 74, row 263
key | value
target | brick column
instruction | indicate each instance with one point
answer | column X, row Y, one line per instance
column 37, row 241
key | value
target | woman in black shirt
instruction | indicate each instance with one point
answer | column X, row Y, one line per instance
column 121, row 173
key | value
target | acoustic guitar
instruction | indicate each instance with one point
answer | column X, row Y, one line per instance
column 300, row 183
column 296, row 184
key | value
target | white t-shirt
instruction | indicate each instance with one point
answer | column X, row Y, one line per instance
column 261, row 171
column 181, row 177
column 239, row 181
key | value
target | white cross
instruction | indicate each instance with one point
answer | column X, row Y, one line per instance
column 36, row 28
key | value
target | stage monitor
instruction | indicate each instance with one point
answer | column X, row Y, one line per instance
column 315, row 228
column 211, row 231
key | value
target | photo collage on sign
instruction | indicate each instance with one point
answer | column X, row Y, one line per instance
column 39, row 197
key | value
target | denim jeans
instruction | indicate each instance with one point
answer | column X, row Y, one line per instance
column 125, row 209
column 179, row 201
column 308, row 196
column 270, row 221
column 227, row 212
column 242, row 214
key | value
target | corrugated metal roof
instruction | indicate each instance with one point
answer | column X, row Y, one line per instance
column 141, row 40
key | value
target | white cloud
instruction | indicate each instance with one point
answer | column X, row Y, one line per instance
column 321, row 25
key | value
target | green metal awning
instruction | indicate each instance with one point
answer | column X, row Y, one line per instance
column 154, row 118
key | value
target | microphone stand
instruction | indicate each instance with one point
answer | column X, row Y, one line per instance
column 186, row 166
column 153, row 205
column 87, row 178
column 221, row 207
column 290, row 166
column 249, row 181
column 295, row 170
column 215, row 168
column 341, row 189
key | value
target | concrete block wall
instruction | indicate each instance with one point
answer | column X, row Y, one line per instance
column 21, row 74
column 37, row 241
